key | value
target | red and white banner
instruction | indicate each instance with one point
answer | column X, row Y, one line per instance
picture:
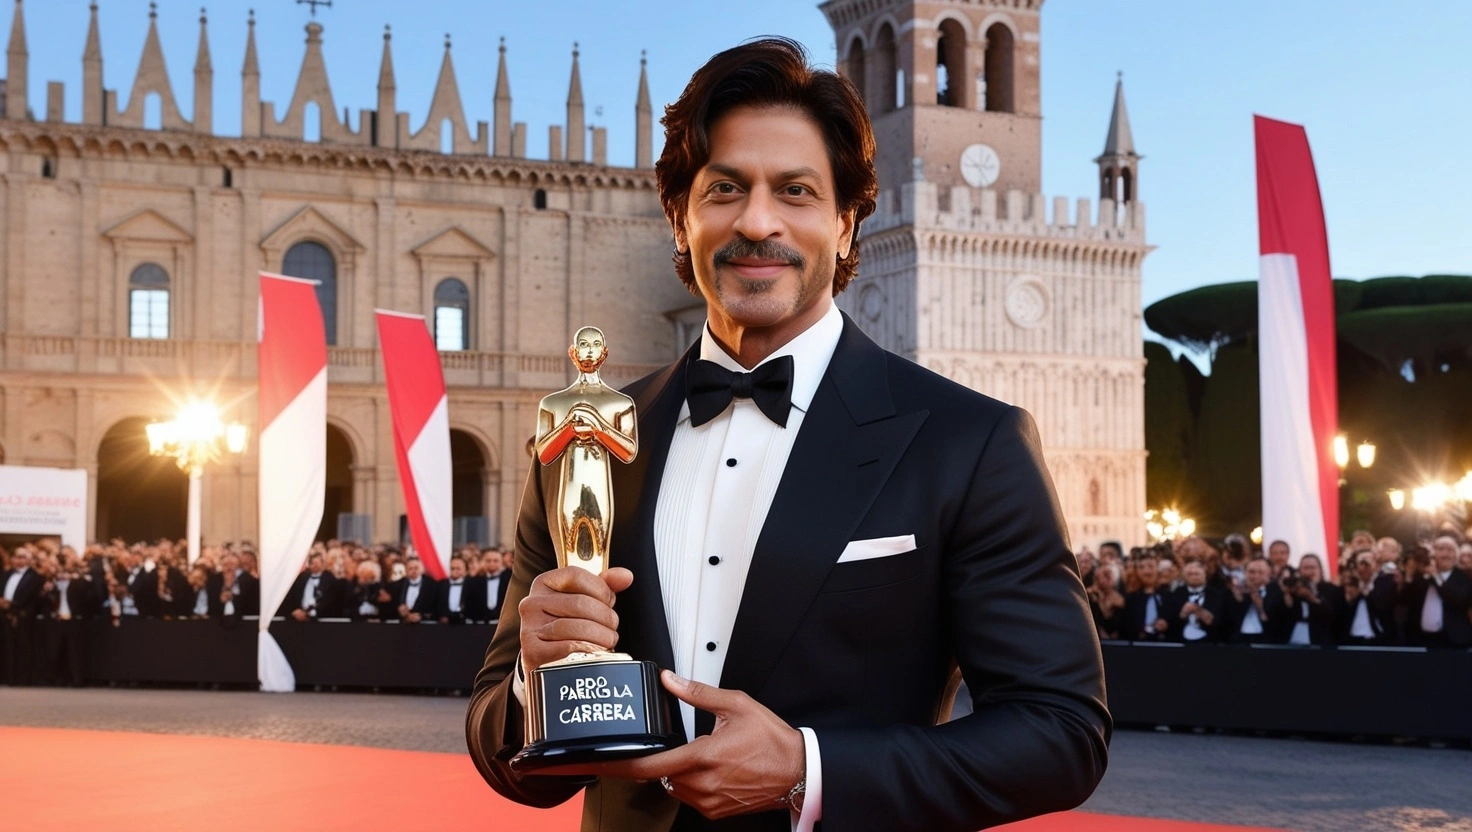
column 421, row 417
column 293, row 448
column 1295, row 316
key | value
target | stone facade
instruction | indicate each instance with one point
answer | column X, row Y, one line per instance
column 982, row 284
column 984, row 281
column 543, row 247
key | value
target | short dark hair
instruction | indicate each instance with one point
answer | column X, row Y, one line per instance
column 770, row 72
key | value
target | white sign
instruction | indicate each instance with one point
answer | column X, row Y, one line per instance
column 49, row 502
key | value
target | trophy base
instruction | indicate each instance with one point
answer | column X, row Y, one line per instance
column 593, row 707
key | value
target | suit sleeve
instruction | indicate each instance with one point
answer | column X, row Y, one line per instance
column 493, row 723
column 1037, row 740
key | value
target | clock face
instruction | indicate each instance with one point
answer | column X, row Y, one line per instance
column 980, row 166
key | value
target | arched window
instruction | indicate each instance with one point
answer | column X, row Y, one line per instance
column 855, row 69
column 539, row 199
column 950, row 65
column 148, row 302
column 998, row 77
column 451, row 315
column 312, row 261
column 1127, row 183
column 886, row 71
column 312, row 122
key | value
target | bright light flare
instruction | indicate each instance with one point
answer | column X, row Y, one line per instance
column 1365, row 453
column 1397, row 498
column 1341, row 450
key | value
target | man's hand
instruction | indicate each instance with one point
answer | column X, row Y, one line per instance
column 1188, row 609
column 1161, row 625
column 748, row 763
column 570, row 610
column 299, row 615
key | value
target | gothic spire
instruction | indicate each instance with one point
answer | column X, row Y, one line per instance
column 252, row 65
column 204, row 80
column 501, row 144
column 1119, row 141
column 643, row 120
column 250, row 83
column 387, row 117
column 93, row 97
column 575, row 129
column 16, row 59
column 386, row 66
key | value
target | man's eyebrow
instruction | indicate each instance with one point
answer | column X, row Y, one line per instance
column 799, row 173
column 796, row 173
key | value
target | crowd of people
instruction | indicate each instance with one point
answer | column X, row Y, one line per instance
column 1199, row 591
column 117, row 581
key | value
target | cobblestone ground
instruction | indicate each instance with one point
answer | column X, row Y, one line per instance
column 1283, row 783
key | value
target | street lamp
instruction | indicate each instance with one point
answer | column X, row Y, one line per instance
column 1168, row 524
column 195, row 438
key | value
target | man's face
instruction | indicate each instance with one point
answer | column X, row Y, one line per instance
column 1194, row 573
column 457, row 569
column 1147, row 570
column 1362, row 540
column 1309, row 570
column 1085, row 560
column 20, row 560
column 314, row 563
column 1257, row 573
column 588, row 349
column 228, row 565
column 1364, row 569
column 492, row 563
column 413, row 569
column 1278, row 555
column 1444, row 553
column 762, row 223
column 1464, row 558
column 1166, row 571
column 1109, row 553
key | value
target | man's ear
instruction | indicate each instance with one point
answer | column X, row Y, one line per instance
column 850, row 230
column 682, row 246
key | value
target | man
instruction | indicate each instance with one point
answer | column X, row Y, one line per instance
column 1250, row 618
column 485, row 592
column 813, row 544
column 1278, row 556
column 70, row 602
column 1144, row 608
column 1369, row 597
column 1437, row 598
column 315, row 593
column 450, row 594
column 233, row 591
column 414, row 594
column 20, row 600
column 1198, row 609
column 1311, row 606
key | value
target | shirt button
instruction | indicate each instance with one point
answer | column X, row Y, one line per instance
column 731, row 463
column 714, row 560
column 711, row 646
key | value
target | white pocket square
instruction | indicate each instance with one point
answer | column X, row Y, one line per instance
column 877, row 547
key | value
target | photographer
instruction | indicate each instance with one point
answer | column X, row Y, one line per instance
column 1144, row 608
column 1436, row 595
column 1250, row 612
column 1311, row 606
column 1106, row 602
column 1369, row 597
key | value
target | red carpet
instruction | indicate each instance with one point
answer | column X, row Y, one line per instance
column 160, row 782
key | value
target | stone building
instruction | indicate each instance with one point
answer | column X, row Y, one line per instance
column 967, row 269
column 132, row 240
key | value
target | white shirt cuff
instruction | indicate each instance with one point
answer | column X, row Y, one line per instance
column 812, row 799
column 518, row 682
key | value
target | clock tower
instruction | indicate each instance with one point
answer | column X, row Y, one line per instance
column 967, row 269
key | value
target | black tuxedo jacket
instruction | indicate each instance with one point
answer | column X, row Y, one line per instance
column 80, row 599
column 1379, row 598
column 1456, row 597
column 861, row 652
column 424, row 604
column 1323, row 618
column 442, row 601
column 1135, row 627
column 28, row 599
column 369, row 592
column 246, row 602
column 1214, row 600
column 329, row 595
column 1237, row 611
column 476, row 606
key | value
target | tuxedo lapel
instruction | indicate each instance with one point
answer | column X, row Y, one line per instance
column 643, row 628
column 847, row 447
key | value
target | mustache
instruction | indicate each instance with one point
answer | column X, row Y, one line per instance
column 758, row 249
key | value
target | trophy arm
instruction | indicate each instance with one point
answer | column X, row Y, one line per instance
column 624, row 446
column 553, row 440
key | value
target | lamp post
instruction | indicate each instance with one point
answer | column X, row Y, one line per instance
column 195, row 438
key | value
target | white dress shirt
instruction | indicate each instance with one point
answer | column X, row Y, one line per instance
column 1432, row 610
column 1361, row 628
column 12, row 584
column 65, row 609
column 234, row 591
column 411, row 595
column 456, row 588
column 309, row 591
column 1300, row 633
column 718, row 485
column 1252, row 621
column 202, row 602
column 493, row 591
column 1193, row 630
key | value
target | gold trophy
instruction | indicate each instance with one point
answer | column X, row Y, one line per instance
column 600, row 706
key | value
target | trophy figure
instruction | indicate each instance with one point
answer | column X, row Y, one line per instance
column 599, row 706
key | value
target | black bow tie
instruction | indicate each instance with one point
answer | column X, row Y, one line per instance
column 709, row 388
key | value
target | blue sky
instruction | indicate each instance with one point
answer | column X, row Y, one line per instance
column 1382, row 91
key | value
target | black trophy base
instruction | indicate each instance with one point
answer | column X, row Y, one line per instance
column 593, row 708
